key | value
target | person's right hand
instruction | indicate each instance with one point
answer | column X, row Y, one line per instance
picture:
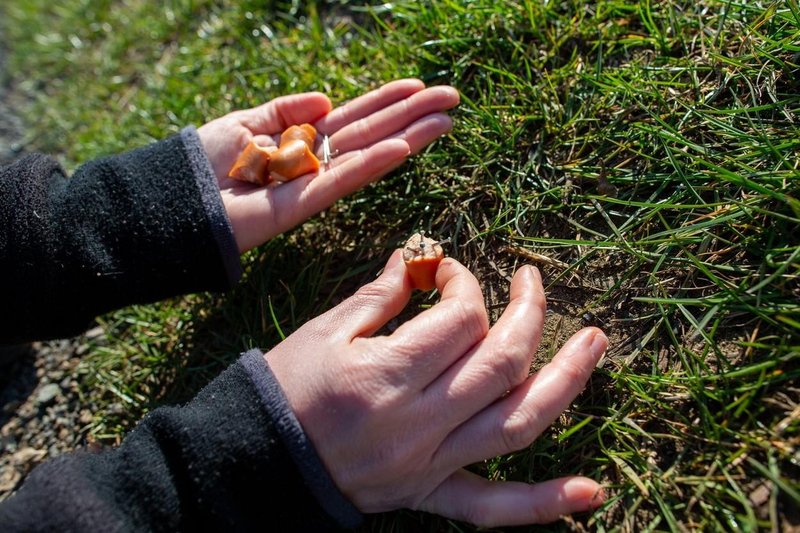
column 396, row 418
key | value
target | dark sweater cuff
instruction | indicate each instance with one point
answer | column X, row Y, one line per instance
column 297, row 443
column 134, row 228
column 218, row 220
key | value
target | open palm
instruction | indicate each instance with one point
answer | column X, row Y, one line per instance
column 371, row 135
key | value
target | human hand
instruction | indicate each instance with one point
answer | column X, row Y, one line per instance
column 372, row 134
column 396, row 418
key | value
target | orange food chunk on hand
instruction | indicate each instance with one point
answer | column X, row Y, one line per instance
column 252, row 164
column 294, row 158
column 303, row 132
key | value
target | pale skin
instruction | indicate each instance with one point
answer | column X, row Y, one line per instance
column 396, row 418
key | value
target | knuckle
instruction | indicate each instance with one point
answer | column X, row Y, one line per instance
column 376, row 290
column 479, row 513
column 510, row 365
column 536, row 515
column 483, row 513
column 363, row 162
column 573, row 372
column 471, row 318
column 364, row 129
column 518, row 430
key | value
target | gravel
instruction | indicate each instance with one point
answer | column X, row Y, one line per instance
column 41, row 412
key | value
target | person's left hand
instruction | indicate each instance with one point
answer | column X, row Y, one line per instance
column 372, row 135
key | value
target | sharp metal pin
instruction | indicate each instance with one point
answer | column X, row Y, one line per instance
column 326, row 151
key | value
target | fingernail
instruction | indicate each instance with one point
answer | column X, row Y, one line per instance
column 406, row 148
column 528, row 271
column 598, row 346
column 536, row 273
column 598, row 499
column 394, row 261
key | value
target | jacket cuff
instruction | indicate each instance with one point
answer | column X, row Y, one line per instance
column 218, row 219
column 298, row 444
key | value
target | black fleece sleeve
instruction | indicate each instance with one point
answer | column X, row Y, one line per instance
column 128, row 229
column 233, row 459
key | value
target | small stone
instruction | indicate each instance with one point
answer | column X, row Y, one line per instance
column 760, row 496
column 47, row 393
column 9, row 443
column 9, row 478
column 12, row 406
column 95, row 332
column 28, row 454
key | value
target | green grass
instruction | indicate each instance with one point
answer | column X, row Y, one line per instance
column 651, row 148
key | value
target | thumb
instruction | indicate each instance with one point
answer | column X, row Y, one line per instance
column 377, row 302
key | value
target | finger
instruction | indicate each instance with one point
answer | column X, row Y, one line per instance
column 515, row 421
column 280, row 113
column 367, row 104
column 299, row 199
column 418, row 135
column 468, row 497
column 429, row 343
column 425, row 130
column 503, row 359
column 392, row 119
column 376, row 303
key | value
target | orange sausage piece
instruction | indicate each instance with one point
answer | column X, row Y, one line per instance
column 292, row 160
column 422, row 256
column 252, row 165
column 304, row 132
column 294, row 157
